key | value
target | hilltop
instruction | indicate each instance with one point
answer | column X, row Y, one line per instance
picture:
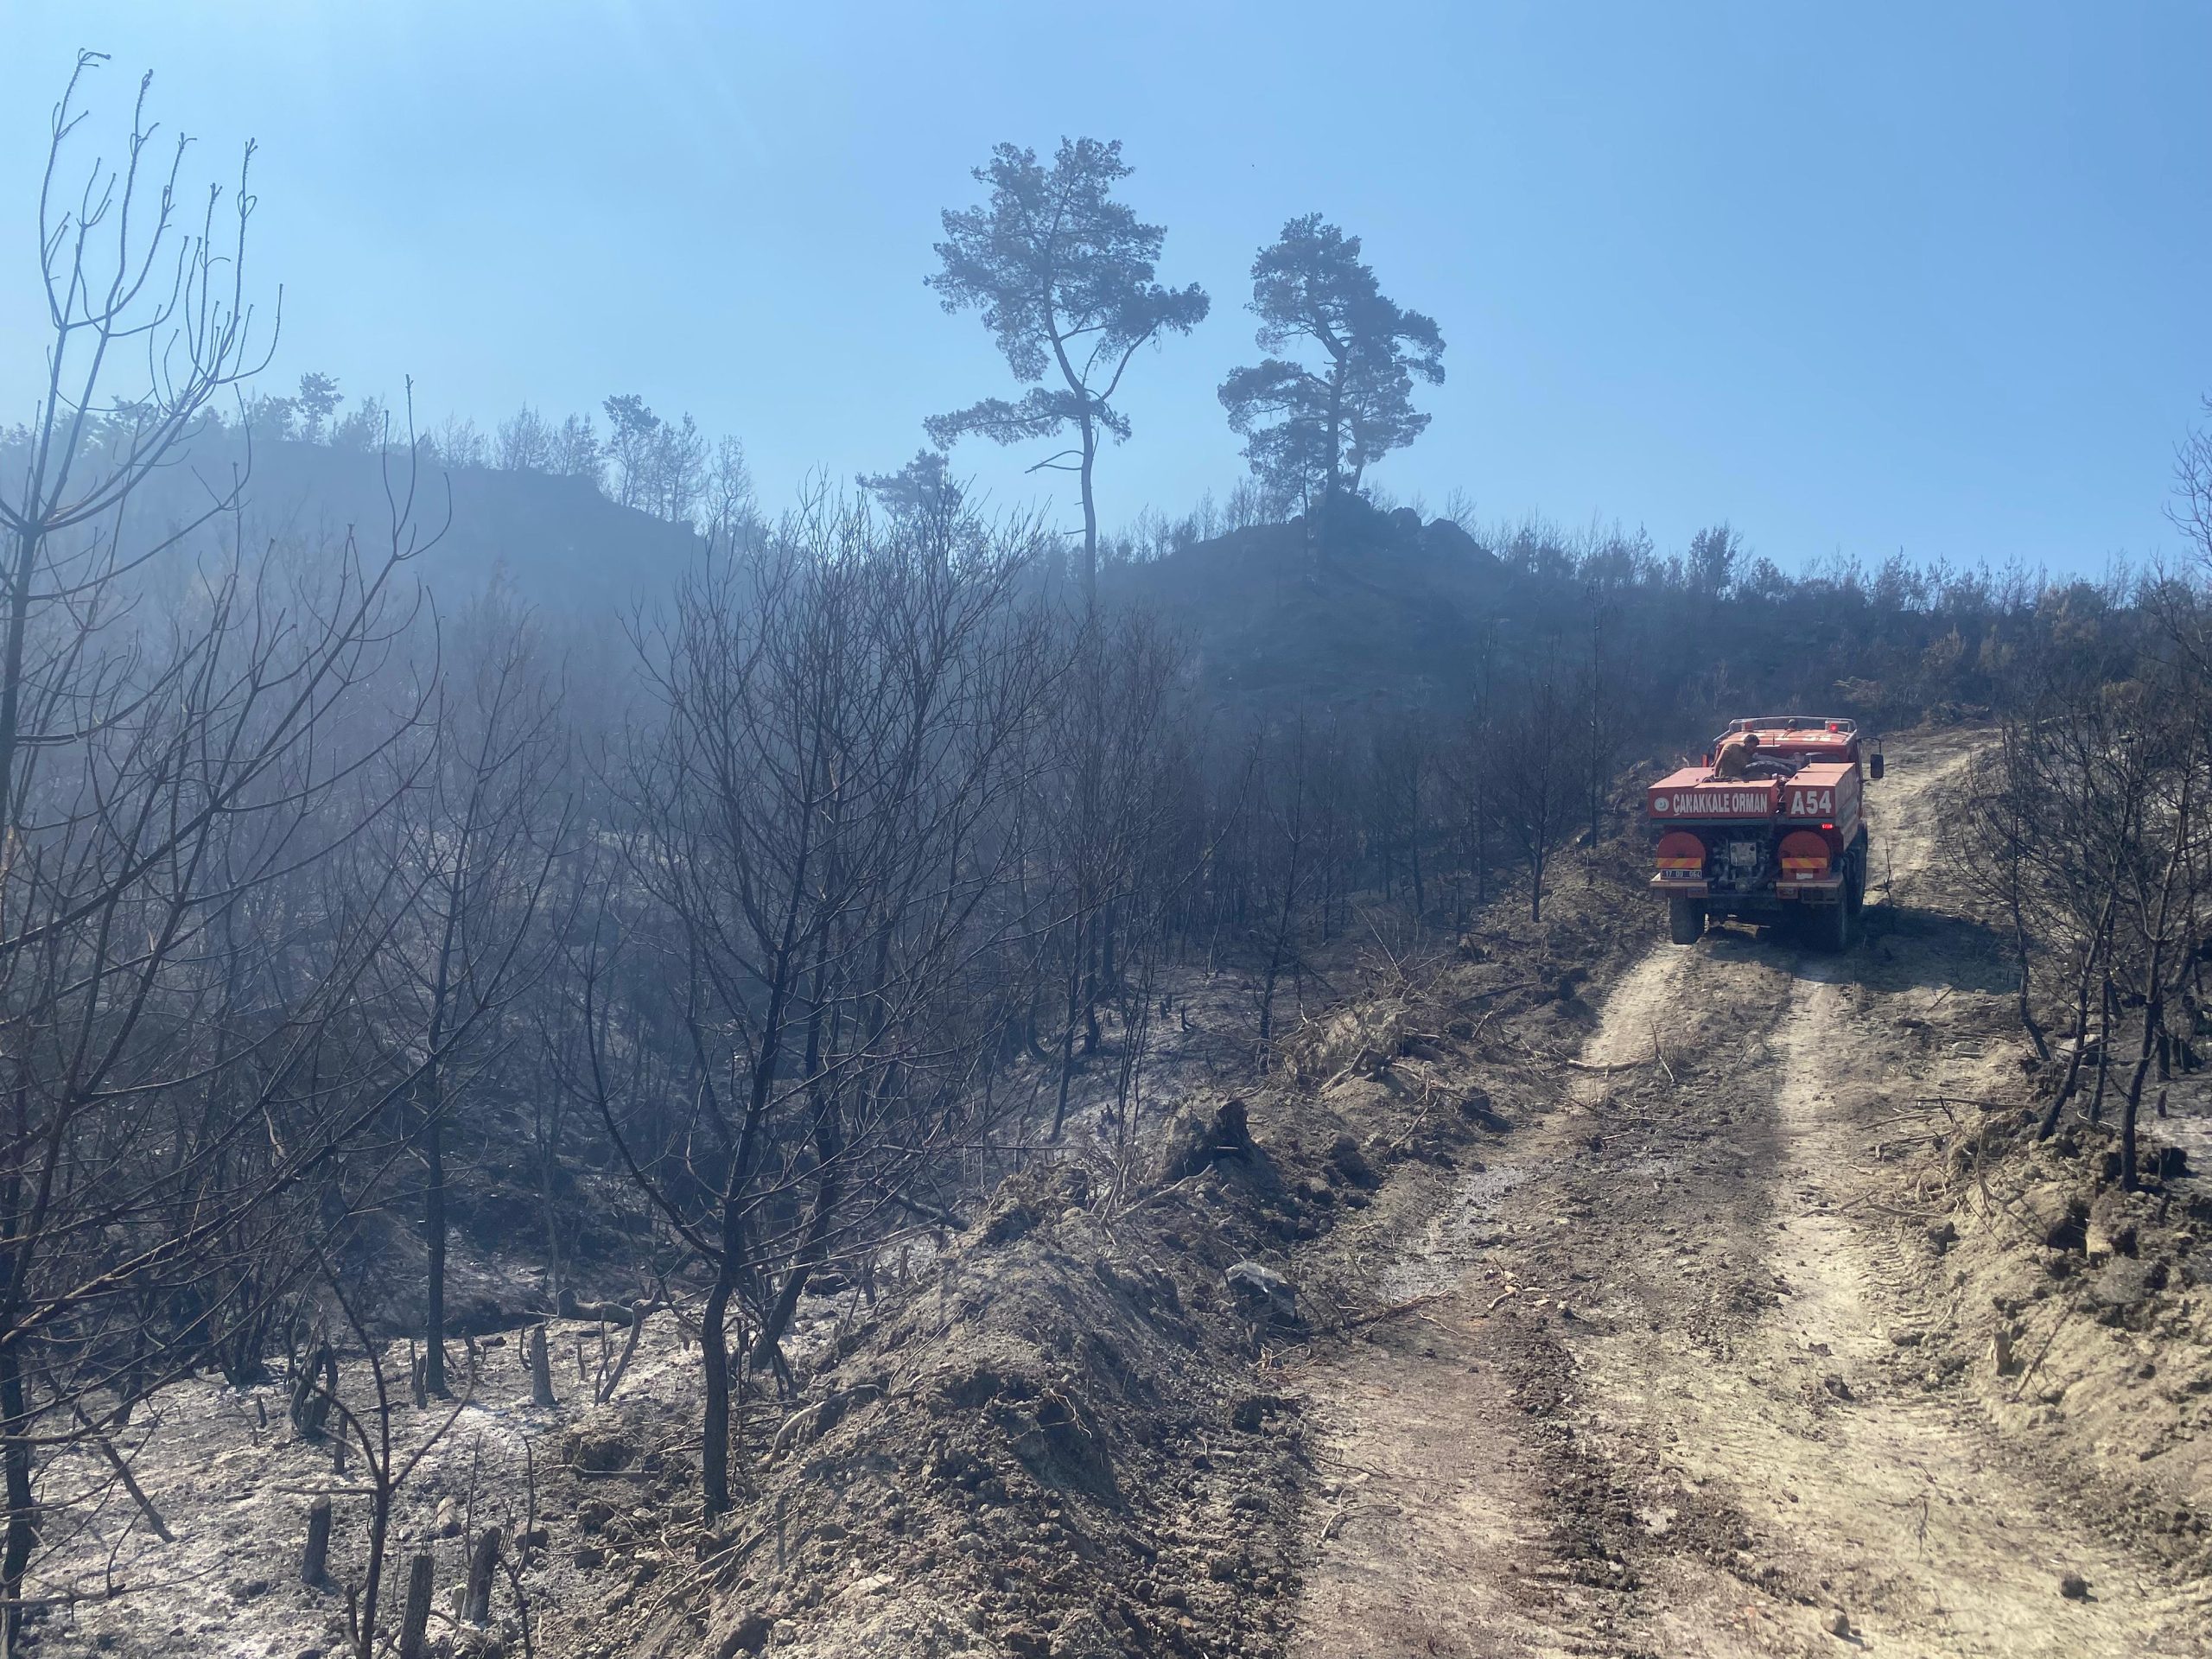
column 1387, row 613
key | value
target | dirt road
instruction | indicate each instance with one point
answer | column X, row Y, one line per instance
column 1676, row 1394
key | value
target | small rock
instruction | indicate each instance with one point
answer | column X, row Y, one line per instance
column 2127, row 1283
column 1262, row 1289
column 1195, row 1143
column 596, row 1448
column 1477, row 1108
column 1838, row 1622
column 1084, row 1635
column 749, row 1634
column 2059, row 1219
column 1249, row 1415
column 1348, row 1161
column 1902, row 1337
column 1834, row 1384
column 2074, row 1587
column 589, row 1556
column 447, row 1522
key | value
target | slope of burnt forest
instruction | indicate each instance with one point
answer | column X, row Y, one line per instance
column 1388, row 612
column 1385, row 610
column 556, row 542
column 1070, row 1432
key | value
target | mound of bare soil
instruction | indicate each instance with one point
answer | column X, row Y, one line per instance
column 1054, row 1447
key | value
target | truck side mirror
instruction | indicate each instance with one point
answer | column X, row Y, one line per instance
column 1874, row 766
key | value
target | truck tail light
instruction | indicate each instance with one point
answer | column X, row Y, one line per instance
column 1804, row 856
column 1679, row 850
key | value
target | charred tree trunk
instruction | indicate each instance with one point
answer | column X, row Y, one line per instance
column 476, row 1601
column 2072, row 1081
column 433, row 1230
column 415, row 1620
column 2028, row 1022
column 314, row 1568
column 541, row 1369
column 2104, row 1049
column 1067, row 1043
column 714, row 1366
column 22, row 1536
column 767, row 1345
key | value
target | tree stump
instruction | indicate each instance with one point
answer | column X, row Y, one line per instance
column 311, row 1403
column 415, row 1623
column 315, row 1563
column 541, row 1369
column 476, row 1605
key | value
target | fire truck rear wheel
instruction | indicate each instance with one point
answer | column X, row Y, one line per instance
column 1835, row 927
column 1685, row 920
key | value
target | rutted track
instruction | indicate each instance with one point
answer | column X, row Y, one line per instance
column 1673, row 1399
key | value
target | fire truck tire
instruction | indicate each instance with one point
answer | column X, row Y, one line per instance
column 1835, row 927
column 1685, row 920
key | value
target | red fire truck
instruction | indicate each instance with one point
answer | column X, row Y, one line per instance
column 1783, row 843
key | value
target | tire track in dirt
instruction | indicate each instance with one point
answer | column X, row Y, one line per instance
column 1699, row 1423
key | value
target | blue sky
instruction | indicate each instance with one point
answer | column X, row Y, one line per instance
column 1857, row 279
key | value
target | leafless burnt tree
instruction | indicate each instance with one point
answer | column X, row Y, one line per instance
column 812, row 829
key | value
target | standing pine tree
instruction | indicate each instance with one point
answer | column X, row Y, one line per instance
column 1312, row 427
column 1063, row 275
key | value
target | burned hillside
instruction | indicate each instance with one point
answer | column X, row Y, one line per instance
column 605, row 1064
